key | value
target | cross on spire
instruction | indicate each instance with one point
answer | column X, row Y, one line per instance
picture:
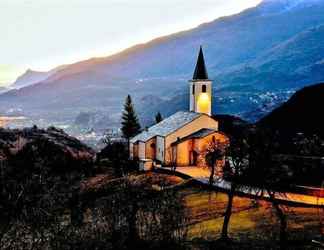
column 200, row 70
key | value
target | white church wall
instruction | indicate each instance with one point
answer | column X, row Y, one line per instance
column 150, row 149
column 203, row 121
column 183, row 153
column 131, row 150
column 192, row 97
column 141, row 150
column 160, row 148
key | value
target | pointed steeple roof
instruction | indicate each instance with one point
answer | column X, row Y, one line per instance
column 200, row 70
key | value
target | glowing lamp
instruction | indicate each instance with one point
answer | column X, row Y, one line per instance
column 203, row 103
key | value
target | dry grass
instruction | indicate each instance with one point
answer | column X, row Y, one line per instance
column 252, row 223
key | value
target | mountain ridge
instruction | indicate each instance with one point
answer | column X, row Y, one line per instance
column 31, row 77
column 162, row 67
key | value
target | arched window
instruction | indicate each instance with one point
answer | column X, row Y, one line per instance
column 193, row 89
column 204, row 88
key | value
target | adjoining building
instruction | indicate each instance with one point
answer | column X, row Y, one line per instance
column 181, row 138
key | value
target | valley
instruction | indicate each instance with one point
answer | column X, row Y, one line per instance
column 257, row 59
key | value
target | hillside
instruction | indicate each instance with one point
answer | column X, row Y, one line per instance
column 300, row 114
column 293, row 63
column 256, row 59
column 52, row 145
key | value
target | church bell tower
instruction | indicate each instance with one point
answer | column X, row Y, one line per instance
column 200, row 88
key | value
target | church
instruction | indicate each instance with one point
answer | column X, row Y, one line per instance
column 180, row 139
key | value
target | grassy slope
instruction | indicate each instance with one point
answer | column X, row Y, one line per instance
column 252, row 225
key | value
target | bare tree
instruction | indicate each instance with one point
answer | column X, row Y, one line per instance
column 133, row 212
column 233, row 171
column 236, row 156
column 172, row 156
column 269, row 176
column 214, row 152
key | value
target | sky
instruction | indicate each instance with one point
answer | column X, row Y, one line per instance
column 43, row 34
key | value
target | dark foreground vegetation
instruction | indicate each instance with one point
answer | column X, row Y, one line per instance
column 55, row 194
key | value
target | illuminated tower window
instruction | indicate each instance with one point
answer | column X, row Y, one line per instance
column 204, row 89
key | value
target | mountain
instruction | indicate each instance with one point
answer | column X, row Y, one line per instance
column 3, row 89
column 257, row 59
column 287, row 5
column 32, row 77
column 293, row 63
column 300, row 114
column 296, row 128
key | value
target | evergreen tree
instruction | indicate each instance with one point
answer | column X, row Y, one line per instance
column 130, row 123
column 158, row 117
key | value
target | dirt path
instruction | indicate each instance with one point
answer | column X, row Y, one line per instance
column 202, row 176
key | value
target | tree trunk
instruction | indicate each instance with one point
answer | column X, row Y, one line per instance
column 228, row 212
column 282, row 218
column 128, row 148
column 211, row 177
column 76, row 209
column 132, row 228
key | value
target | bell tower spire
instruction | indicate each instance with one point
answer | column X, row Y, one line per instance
column 200, row 70
column 200, row 87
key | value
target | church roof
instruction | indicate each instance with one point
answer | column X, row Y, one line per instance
column 196, row 135
column 167, row 126
column 200, row 70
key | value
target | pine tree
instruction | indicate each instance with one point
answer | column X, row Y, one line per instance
column 130, row 123
column 158, row 117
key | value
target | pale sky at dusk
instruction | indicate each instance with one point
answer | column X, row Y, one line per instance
column 42, row 34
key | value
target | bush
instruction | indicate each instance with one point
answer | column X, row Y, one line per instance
column 133, row 213
column 115, row 156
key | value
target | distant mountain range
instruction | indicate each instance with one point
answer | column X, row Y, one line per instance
column 257, row 59
column 31, row 77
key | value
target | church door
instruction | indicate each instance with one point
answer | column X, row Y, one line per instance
column 153, row 151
